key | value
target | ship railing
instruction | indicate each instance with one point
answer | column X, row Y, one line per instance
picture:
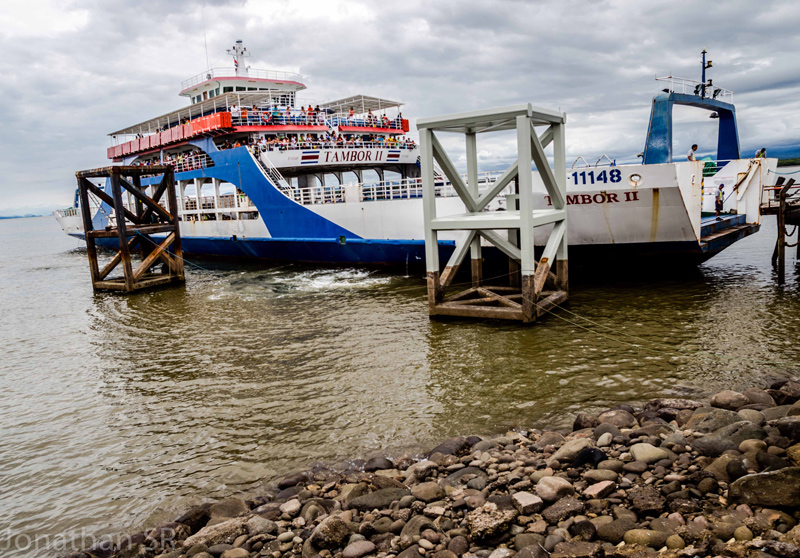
column 265, row 117
column 187, row 163
column 693, row 87
column 407, row 188
column 335, row 145
column 213, row 73
column 363, row 121
column 67, row 212
column 192, row 162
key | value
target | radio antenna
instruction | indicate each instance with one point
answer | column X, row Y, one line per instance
column 205, row 42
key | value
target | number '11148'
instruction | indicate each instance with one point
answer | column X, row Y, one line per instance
column 589, row 177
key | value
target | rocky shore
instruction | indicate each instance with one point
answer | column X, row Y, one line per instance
column 677, row 477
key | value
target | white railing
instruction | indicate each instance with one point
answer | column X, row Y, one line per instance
column 68, row 212
column 272, row 173
column 267, row 117
column 407, row 188
column 214, row 73
column 694, row 87
column 336, row 145
column 191, row 162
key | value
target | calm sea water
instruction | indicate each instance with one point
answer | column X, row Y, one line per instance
column 119, row 411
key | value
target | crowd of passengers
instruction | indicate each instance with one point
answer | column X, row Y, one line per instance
column 184, row 161
column 274, row 115
column 319, row 141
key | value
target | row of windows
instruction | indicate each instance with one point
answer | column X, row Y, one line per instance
column 283, row 99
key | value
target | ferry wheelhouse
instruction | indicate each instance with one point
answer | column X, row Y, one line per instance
column 261, row 173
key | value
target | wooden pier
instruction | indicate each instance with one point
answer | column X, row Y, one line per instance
column 533, row 289
column 132, row 230
column 784, row 202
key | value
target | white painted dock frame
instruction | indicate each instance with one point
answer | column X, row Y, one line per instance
column 527, row 299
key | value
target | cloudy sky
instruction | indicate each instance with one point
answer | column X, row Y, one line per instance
column 72, row 71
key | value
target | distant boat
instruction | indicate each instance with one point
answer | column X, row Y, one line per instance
column 263, row 174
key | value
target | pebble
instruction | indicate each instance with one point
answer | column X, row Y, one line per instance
column 676, row 474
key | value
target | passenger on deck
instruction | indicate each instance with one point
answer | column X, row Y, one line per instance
column 761, row 153
column 691, row 156
column 719, row 201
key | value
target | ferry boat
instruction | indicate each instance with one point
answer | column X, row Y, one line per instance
column 260, row 173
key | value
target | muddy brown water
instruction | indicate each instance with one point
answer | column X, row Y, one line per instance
column 117, row 412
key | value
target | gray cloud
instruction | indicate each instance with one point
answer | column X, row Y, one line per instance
column 80, row 69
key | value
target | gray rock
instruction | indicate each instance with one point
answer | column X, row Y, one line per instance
column 614, row 531
column 668, row 403
column 599, row 490
column 569, row 451
column 648, row 453
column 379, row 499
column 528, row 539
column 489, row 520
column 502, row 552
column 752, row 415
column 527, row 503
column 224, row 532
column 551, row 489
column 457, row 477
column 577, row 549
column 598, row 475
column 257, row 525
column 619, row 418
column 728, row 437
column 604, row 440
column 458, row 545
column 549, row 439
column 230, row 507
column 292, row 507
column 563, row 509
column 533, row 551
column 358, row 549
column 759, row 396
column 451, row 446
column 730, row 400
column 709, row 419
column 646, row 499
column 646, row 537
column 330, row 533
column 606, row 428
column 427, row 491
column 776, row 488
column 414, row 528
column 637, row 467
column 378, row 464
column 776, row 412
column 789, row 427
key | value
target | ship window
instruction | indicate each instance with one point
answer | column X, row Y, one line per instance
column 252, row 88
column 241, row 88
column 227, row 89
column 211, row 94
column 205, row 95
column 217, row 90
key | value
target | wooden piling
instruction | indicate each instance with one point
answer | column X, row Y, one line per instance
column 133, row 229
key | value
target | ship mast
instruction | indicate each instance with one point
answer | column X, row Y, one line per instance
column 239, row 51
column 703, row 75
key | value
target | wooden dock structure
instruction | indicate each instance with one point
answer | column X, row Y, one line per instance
column 784, row 202
column 533, row 289
column 133, row 230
